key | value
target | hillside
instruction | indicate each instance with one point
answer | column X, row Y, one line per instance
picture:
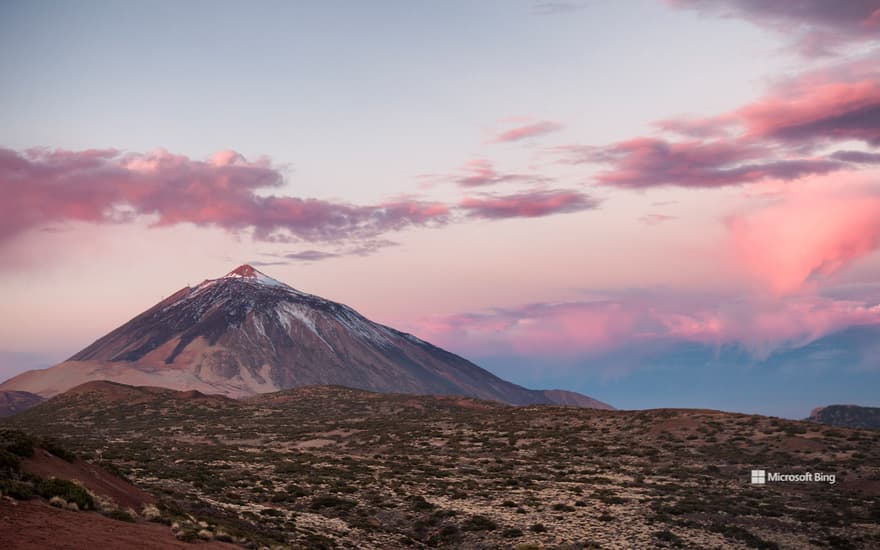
column 332, row 466
column 12, row 402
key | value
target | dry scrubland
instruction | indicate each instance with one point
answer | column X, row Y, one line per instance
column 335, row 467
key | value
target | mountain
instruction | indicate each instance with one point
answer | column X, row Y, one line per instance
column 247, row 333
column 13, row 402
column 847, row 416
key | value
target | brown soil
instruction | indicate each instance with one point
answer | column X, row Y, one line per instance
column 34, row 525
column 93, row 477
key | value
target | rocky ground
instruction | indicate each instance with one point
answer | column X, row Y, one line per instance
column 334, row 467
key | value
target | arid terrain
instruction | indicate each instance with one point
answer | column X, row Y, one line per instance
column 335, row 467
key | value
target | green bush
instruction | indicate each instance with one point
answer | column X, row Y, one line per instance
column 68, row 490
column 56, row 449
column 9, row 462
column 120, row 515
column 16, row 489
column 16, row 442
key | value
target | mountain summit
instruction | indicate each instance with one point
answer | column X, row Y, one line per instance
column 247, row 333
column 246, row 271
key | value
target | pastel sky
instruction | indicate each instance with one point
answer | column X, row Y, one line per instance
column 657, row 203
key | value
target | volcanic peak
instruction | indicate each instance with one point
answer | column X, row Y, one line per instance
column 248, row 272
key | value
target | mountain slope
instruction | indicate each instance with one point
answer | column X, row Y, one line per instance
column 246, row 333
column 14, row 402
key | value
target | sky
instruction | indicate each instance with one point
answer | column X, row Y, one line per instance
column 656, row 203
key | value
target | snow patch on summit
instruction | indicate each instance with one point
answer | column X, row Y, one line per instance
column 247, row 272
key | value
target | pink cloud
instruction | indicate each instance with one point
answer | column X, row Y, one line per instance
column 529, row 205
column 527, row 131
column 817, row 112
column 806, row 235
column 574, row 329
column 648, row 162
column 45, row 187
column 818, row 26
column 481, row 173
column 42, row 187
column 772, row 138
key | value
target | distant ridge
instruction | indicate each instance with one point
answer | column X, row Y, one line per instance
column 847, row 416
column 14, row 402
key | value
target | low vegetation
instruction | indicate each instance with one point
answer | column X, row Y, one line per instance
column 334, row 467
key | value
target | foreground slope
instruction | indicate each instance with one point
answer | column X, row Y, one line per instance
column 246, row 333
column 336, row 467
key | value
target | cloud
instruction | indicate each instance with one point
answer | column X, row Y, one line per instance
column 654, row 219
column 819, row 27
column 364, row 248
column 534, row 129
column 649, row 162
column 812, row 111
column 777, row 137
column 42, row 187
column 311, row 255
column 531, row 204
column 590, row 328
column 693, row 127
column 857, row 157
column 481, row 173
column 806, row 235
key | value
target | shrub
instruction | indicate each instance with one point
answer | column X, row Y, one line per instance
column 479, row 523
column 668, row 536
column 151, row 512
column 449, row 534
column 419, row 503
column 56, row 449
column 332, row 501
column 16, row 442
column 68, row 490
column 538, row 528
column 120, row 515
column 9, row 462
column 512, row 533
column 16, row 489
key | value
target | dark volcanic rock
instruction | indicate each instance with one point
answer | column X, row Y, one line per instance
column 847, row 416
